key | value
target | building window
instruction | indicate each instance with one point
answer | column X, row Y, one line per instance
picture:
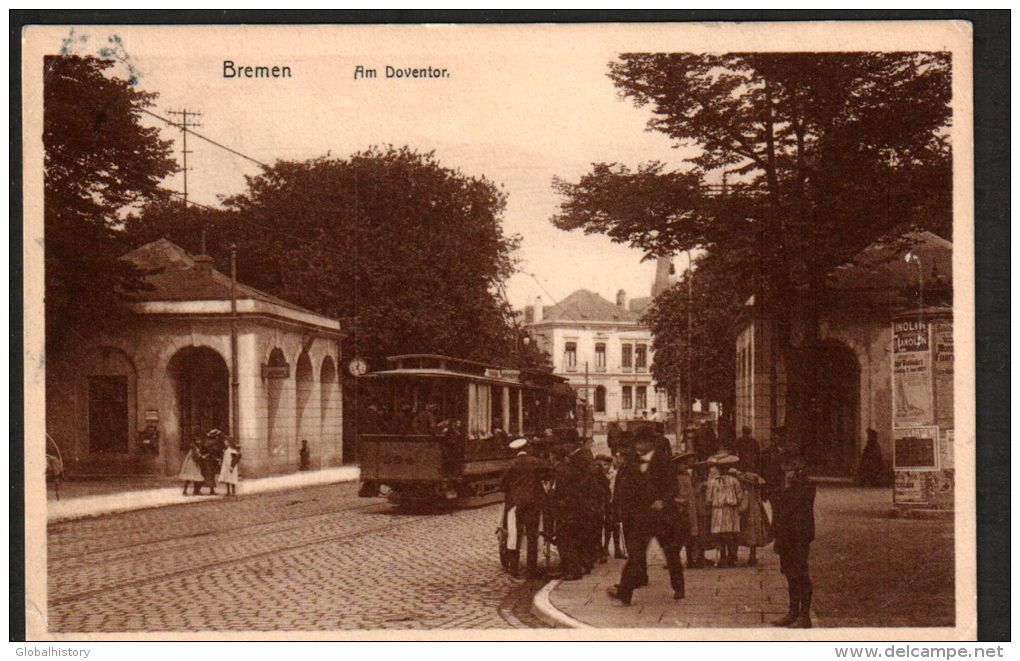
column 600, row 356
column 108, row 414
column 600, row 399
column 628, row 402
column 570, row 355
column 642, row 397
column 627, row 355
column 641, row 357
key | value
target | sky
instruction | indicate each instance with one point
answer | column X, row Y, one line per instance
column 518, row 107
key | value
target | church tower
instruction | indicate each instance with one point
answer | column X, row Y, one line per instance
column 665, row 275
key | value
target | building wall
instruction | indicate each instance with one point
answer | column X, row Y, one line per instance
column 553, row 338
column 143, row 353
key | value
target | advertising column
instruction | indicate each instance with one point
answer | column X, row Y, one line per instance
column 922, row 387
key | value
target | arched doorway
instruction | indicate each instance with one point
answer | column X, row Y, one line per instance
column 832, row 435
column 202, row 388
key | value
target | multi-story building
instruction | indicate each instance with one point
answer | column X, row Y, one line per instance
column 604, row 351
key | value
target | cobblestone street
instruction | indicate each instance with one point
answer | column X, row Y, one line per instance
column 317, row 558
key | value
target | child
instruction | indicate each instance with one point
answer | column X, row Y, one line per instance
column 229, row 473
column 190, row 472
column 610, row 525
column 687, row 505
column 754, row 522
column 793, row 507
column 723, row 495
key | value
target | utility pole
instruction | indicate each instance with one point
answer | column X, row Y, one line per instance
column 235, row 414
column 184, row 125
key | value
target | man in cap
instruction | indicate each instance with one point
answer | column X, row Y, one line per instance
column 647, row 486
column 793, row 524
column 525, row 496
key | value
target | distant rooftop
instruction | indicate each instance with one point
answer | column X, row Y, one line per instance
column 584, row 305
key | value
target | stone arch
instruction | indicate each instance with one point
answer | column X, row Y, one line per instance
column 832, row 430
column 329, row 407
column 276, row 421
column 306, row 413
column 201, row 391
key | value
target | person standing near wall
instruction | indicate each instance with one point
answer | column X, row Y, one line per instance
column 793, row 524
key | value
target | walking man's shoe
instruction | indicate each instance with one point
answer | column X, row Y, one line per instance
column 786, row 620
column 621, row 595
column 803, row 621
column 678, row 595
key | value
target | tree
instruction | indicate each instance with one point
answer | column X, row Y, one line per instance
column 825, row 153
column 408, row 254
column 98, row 160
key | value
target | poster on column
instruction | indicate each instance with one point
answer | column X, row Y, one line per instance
column 942, row 358
column 912, row 378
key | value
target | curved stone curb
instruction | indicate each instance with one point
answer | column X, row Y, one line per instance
column 544, row 610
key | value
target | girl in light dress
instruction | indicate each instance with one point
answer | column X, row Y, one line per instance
column 190, row 471
column 724, row 495
column 229, row 473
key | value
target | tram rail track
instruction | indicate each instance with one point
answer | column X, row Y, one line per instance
column 346, row 537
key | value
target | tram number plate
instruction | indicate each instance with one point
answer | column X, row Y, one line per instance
column 398, row 459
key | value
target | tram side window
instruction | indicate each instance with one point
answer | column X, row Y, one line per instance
column 479, row 410
column 515, row 411
column 498, row 421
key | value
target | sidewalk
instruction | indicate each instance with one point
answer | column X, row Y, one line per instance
column 84, row 499
column 739, row 597
column 869, row 568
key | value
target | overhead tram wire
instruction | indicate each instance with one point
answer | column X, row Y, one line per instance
column 207, row 139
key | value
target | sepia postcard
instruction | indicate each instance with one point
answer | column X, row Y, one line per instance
column 644, row 331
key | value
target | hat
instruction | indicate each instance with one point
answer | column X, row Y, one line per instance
column 794, row 463
column 683, row 456
column 603, row 457
column 213, row 433
column 724, row 458
column 519, row 443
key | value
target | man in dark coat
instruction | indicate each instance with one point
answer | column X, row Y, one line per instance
column 522, row 485
column 793, row 524
column 647, row 487
column 570, row 503
column 746, row 447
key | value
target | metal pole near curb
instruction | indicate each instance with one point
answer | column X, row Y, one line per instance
column 235, row 415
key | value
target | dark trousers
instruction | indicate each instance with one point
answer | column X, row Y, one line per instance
column 569, row 538
column 643, row 529
column 528, row 517
column 793, row 563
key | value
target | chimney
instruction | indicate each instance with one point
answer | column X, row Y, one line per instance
column 536, row 311
column 621, row 299
column 204, row 263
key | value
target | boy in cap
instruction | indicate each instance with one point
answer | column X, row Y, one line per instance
column 525, row 497
column 793, row 523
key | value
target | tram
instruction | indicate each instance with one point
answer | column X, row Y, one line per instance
column 436, row 428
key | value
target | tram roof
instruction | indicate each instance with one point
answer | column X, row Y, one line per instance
column 428, row 364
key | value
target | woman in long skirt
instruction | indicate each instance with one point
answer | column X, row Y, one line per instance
column 190, row 472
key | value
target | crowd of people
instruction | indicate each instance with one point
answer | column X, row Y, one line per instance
column 210, row 460
column 560, row 494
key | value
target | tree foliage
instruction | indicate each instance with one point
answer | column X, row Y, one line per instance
column 410, row 255
column 822, row 153
column 98, row 160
